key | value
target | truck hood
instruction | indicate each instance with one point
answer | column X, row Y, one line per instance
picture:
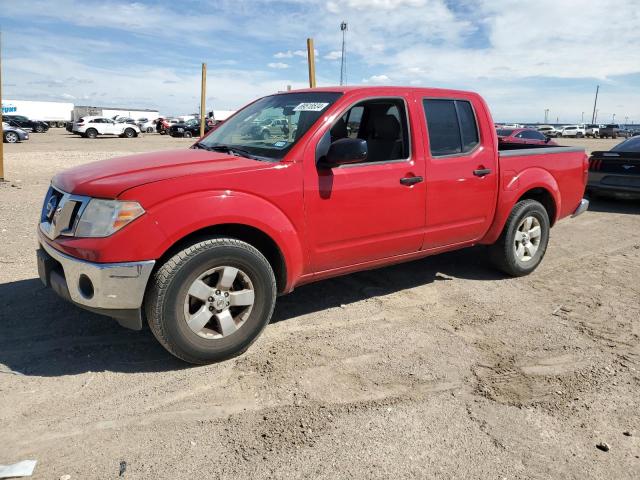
column 109, row 178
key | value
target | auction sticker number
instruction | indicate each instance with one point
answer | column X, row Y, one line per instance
column 310, row 107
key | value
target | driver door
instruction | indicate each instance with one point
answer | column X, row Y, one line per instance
column 366, row 211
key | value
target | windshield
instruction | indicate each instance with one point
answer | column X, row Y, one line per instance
column 630, row 145
column 271, row 126
column 503, row 132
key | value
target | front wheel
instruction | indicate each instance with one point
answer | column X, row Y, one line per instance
column 187, row 135
column 210, row 301
column 523, row 242
column 39, row 129
column 11, row 137
column 129, row 133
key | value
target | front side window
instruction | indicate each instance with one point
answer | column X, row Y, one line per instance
column 268, row 128
column 452, row 127
column 381, row 122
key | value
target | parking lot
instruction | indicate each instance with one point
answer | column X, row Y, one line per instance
column 440, row 368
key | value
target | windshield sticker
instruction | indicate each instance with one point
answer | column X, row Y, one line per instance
column 310, row 107
column 279, row 144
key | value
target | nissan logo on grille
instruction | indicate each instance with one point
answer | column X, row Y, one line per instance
column 51, row 206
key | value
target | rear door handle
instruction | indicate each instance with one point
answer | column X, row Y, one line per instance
column 411, row 180
column 482, row 172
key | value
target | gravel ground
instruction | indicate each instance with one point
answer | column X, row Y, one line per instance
column 439, row 368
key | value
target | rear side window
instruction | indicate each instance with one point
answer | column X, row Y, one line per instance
column 452, row 126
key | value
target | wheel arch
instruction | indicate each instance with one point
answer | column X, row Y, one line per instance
column 535, row 184
column 246, row 233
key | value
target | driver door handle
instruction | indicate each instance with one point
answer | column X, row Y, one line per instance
column 411, row 180
column 482, row 172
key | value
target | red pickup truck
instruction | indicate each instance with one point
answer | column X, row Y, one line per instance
column 199, row 242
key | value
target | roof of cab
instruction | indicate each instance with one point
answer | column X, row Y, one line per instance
column 441, row 92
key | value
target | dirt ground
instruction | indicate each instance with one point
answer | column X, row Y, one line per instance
column 440, row 368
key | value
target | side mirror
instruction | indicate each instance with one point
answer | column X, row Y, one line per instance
column 345, row 151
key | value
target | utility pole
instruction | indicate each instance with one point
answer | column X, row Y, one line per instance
column 546, row 115
column 311, row 60
column 595, row 102
column 1, row 139
column 343, row 59
column 613, row 118
column 582, row 118
column 203, row 98
column 596, row 116
column 626, row 120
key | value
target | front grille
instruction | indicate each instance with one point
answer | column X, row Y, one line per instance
column 61, row 212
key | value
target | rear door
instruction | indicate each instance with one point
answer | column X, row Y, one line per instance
column 461, row 170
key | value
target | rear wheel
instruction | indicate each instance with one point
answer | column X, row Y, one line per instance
column 265, row 135
column 39, row 128
column 149, row 130
column 91, row 133
column 187, row 135
column 129, row 132
column 11, row 137
column 523, row 242
column 210, row 301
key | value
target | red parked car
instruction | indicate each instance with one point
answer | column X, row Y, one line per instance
column 523, row 136
column 198, row 243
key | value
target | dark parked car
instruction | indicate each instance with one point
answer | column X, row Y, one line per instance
column 522, row 136
column 20, row 121
column 613, row 130
column 188, row 129
column 616, row 171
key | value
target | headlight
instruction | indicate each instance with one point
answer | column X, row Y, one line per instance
column 102, row 218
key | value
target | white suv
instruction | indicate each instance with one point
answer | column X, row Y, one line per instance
column 573, row 131
column 91, row 127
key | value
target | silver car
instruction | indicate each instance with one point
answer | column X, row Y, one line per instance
column 12, row 134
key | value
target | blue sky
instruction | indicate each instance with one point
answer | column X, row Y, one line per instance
column 523, row 57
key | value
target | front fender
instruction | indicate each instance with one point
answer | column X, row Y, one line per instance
column 183, row 215
column 512, row 187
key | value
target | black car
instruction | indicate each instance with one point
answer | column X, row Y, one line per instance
column 616, row 171
column 188, row 129
column 20, row 121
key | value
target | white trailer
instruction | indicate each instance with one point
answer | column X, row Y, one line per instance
column 56, row 114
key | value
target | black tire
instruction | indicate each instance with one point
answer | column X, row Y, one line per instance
column 265, row 135
column 579, row 135
column 91, row 133
column 187, row 135
column 503, row 252
column 150, row 130
column 39, row 128
column 11, row 137
column 165, row 299
column 129, row 132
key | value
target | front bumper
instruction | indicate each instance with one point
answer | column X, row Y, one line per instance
column 582, row 207
column 112, row 289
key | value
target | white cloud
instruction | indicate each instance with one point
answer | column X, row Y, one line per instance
column 287, row 54
column 377, row 79
column 278, row 65
column 333, row 55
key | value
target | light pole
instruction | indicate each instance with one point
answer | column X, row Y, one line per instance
column 546, row 115
column 613, row 118
column 582, row 118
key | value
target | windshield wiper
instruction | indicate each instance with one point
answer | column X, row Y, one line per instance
column 233, row 150
column 200, row 145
